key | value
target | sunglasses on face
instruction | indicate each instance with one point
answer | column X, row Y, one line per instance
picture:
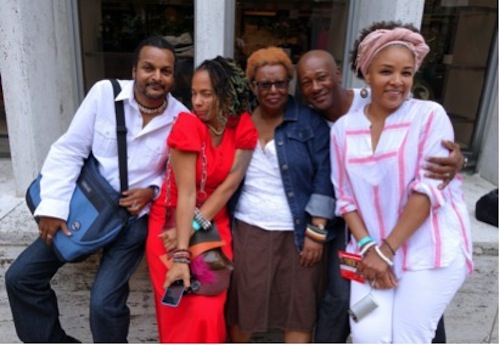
column 267, row 85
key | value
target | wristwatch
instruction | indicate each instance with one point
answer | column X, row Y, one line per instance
column 466, row 160
column 156, row 191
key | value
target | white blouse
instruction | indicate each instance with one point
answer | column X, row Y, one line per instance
column 378, row 183
column 263, row 201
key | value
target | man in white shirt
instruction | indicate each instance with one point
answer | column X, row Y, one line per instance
column 150, row 111
column 320, row 84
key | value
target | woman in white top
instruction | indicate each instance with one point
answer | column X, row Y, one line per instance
column 413, row 237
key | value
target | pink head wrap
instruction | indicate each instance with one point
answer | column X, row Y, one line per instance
column 377, row 40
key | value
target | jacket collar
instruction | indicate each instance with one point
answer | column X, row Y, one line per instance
column 291, row 109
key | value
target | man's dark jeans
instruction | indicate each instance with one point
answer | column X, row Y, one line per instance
column 34, row 303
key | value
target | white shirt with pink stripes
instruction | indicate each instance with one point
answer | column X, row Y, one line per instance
column 377, row 183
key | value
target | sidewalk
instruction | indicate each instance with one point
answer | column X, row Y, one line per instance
column 472, row 317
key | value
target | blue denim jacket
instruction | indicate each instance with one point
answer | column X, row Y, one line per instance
column 303, row 147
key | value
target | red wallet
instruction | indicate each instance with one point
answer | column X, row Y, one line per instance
column 348, row 265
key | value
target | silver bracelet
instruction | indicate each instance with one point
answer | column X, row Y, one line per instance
column 383, row 257
column 200, row 218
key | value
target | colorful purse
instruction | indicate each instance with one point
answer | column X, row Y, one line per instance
column 209, row 265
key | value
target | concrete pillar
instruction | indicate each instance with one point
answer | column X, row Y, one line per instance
column 362, row 13
column 214, row 29
column 37, row 64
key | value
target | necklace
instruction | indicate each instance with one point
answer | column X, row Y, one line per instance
column 216, row 132
column 149, row 111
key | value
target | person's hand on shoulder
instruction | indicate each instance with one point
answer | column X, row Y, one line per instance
column 445, row 168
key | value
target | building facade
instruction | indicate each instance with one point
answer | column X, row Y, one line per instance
column 52, row 51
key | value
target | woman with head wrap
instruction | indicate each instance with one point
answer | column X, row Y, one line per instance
column 413, row 238
column 209, row 153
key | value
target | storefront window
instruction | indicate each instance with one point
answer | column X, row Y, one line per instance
column 460, row 35
column 296, row 26
column 111, row 29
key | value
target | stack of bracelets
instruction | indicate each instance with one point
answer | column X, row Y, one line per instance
column 316, row 233
column 367, row 242
column 180, row 256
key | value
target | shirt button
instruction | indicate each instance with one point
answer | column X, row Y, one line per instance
column 284, row 167
column 297, row 221
column 280, row 143
column 290, row 195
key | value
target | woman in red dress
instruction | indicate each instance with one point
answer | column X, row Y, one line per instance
column 209, row 154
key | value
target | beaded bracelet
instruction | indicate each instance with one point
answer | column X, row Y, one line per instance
column 182, row 260
column 315, row 233
column 383, row 257
column 200, row 218
column 178, row 253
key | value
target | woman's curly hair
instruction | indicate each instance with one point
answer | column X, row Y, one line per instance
column 268, row 56
column 230, row 87
column 389, row 25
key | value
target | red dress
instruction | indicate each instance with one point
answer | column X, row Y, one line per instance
column 197, row 319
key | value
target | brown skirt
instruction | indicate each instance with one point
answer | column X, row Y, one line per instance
column 269, row 288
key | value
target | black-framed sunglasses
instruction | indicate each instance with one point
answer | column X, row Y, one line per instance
column 267, row 85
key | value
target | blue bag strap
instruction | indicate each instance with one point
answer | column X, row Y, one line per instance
column 121, row 134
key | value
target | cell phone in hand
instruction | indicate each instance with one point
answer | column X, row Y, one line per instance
column 173, row 294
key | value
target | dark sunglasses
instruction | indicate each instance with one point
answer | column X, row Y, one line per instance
column 267, row 85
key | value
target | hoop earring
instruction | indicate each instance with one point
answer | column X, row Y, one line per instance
column 364, row 92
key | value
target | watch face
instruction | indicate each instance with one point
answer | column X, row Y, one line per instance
column 156, row 191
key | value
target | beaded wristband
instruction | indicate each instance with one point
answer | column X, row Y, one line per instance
column 182, row 261
column 383, row 257
column 315, row 233
column 364, row 241
column 200, row 218
column 178, row 252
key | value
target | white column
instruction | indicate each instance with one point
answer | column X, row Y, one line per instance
column 214, row 29
column 365, row 12
column 37, row 64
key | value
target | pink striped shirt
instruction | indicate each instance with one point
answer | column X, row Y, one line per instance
column 378, row 184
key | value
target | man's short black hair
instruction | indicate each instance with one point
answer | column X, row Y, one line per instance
column 154, row 41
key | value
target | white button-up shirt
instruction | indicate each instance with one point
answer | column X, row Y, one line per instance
column 93, row 128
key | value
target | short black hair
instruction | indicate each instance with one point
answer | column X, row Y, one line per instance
column 153, row 41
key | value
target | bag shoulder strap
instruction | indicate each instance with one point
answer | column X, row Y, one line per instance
column 121, row 134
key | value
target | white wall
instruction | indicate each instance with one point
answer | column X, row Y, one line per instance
column 37, row 68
